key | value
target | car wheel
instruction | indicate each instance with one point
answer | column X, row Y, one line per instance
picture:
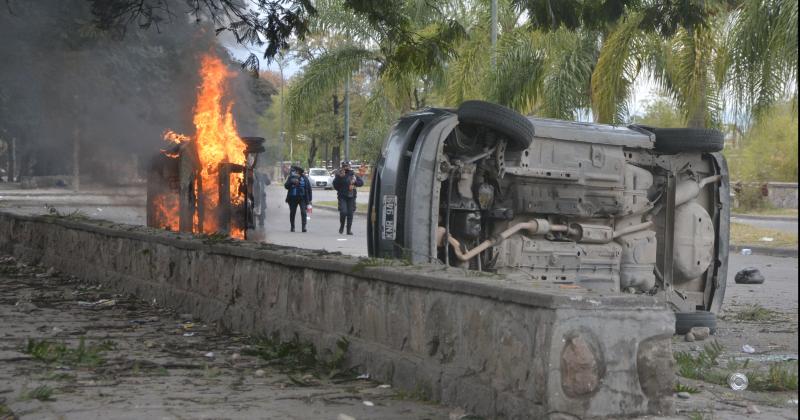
column 684, row 321
column 677, row 140
column 513, row 125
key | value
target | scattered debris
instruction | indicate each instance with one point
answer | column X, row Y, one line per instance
column 363, row 376
column 384, row 386
column 749, row 275
column 752, row 409
column 755, row 313
column 766, row 239
column 260, row 373
column 747, row 251
column 369, row 403
column 748, row 349
column 189, row 334
column 210, row 355
column 738, row 381
column 102, row 303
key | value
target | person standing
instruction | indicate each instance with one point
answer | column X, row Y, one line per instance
column 298, row 193
column 345, row 182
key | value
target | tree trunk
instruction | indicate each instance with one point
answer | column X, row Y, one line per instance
column 12, row 159
column 312, row 152
column 76, row 149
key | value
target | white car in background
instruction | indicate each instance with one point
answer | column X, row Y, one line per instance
column 320, row 178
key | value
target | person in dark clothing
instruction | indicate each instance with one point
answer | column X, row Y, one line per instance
column 298, row 193
column 345, row 182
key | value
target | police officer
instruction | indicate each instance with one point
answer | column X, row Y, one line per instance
column 345, row 182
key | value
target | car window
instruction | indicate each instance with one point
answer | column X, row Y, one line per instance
column 318, row 172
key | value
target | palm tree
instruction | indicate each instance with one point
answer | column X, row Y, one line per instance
column 404, row 65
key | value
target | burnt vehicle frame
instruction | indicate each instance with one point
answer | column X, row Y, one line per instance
column 484, row 188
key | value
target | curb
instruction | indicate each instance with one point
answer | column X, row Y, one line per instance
column 763, row 250
column 765, row 218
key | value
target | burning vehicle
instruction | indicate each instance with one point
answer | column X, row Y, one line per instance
column 614, row 209
column 214, row 182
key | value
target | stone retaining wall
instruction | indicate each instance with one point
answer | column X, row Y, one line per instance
column 782, row 195
column 496, row 348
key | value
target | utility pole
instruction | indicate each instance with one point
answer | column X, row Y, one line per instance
column 283, row 134
column 494, row 33
column 347, row 119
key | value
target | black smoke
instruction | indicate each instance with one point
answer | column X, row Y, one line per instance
column 115, row 89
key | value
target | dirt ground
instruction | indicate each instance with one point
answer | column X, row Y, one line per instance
column 141, row 361
column 764, row 317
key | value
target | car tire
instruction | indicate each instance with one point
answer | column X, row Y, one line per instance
column 511, row 124
column 684, row 321
column 677, row 140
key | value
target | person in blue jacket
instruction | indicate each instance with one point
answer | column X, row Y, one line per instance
column 298, row 193
column 345, row 182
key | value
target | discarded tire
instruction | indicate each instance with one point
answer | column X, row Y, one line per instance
column 511, row 124
column 749, row 275
column 677, row 140
column 684, row 321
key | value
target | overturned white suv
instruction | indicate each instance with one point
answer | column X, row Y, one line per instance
column 634, row 209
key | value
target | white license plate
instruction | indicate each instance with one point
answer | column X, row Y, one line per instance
column 388, row 217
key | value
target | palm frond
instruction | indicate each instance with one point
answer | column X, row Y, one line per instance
column 516, row 82
column 321, row 77
column 616, row 69
column 466, row 74
column 570, row 60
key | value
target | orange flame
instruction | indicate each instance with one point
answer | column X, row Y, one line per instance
column 216, row 141
column 166, row 211
column 174, row 137
column 216, row 138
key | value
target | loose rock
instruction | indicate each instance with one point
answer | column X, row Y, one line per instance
column 260, row 373
column 684, row 395
column 690, row 337
column 751, row 409
column 700, row 333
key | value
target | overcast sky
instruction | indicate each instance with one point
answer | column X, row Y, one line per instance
column 644, row 90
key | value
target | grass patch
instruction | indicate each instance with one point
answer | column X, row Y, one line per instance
column 335, row 204
column 700, row 365
column 767, row 212
column 418, row 394
column 742, row 234
column 780, row 376
column 41, row 393
column 679, row 387
column 705, row 366
column 298, row 356
column 82, row 355
column 6, row 413
column 755, row 313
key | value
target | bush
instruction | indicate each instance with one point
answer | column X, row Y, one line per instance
column 768, row 151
